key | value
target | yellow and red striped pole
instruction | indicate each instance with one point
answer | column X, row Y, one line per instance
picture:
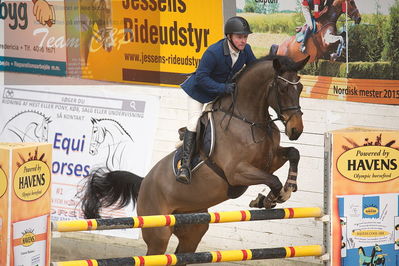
column 190, row 218
column 204, row 257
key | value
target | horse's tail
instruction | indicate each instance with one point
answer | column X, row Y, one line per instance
column 104, row 188
column 273, row 49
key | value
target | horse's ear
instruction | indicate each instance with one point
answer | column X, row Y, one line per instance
column 93, row 120
column 301, row 64
column 277, row 65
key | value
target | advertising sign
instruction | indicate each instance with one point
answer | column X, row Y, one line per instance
column 343, row 39
column 89, row 128
column 146, row 41
column 33, row 38
column 364, row 195
column 25, row 212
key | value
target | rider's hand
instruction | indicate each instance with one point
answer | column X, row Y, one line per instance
column 229, row 88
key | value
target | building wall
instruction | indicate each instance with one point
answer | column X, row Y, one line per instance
column 319, row 116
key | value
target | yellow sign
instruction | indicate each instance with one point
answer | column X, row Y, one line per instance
column 32, row 180
column 28, row 239
column 151, row 41
column 370, row 233
column 3, row 183
column 369, row 164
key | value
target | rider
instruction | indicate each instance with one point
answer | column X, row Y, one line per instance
column 318, row 7
column 212, row 78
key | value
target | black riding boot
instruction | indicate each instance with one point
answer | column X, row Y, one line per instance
column 184, row 174
column 308, row 32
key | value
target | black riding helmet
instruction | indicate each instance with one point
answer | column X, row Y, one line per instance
column 237, row 25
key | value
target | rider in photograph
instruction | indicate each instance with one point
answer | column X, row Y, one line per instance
column 212, row 78
column 318, row 7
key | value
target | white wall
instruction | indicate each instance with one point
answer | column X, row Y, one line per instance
column 319, row 116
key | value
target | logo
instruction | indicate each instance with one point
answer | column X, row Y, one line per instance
column 28, row 238
column 3, row 183
column 32, row 180
column 370, row 211
column 369, row 164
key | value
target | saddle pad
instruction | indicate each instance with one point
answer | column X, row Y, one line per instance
column 207, row 146
column 301, row 34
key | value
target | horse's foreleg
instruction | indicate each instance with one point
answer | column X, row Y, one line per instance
column 292, row 155
column 247, row 175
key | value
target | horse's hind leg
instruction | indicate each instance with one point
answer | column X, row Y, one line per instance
column 157, row 239
column 189, row 236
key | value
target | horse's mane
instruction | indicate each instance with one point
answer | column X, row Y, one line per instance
column 287, row 64
column 30, row 111
column 119, row 124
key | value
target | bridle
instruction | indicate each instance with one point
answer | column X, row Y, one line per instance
column 280, row 109
column 267, row 124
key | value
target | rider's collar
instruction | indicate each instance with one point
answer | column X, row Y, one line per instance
column 226, row 50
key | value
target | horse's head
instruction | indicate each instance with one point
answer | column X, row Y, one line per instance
column 349, row 7
column 97, row 137
column 353, row 12
column 41, row 131
column 284, row 95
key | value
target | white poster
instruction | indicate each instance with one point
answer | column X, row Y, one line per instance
column 368, row 229
column 89, row 127
column 29, row 238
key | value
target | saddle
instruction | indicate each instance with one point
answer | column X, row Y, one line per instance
column 205, row 144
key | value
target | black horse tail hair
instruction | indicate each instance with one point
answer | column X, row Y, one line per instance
column 104, row 188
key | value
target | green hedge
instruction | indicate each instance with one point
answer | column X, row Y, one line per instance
column 370, row 70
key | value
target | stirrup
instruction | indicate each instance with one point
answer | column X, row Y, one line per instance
column 184, row 175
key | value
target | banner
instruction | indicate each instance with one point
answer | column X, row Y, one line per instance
column 352, row 45
column 363, row 180
column 146, row 41
column 91, row 127
column 33, row 37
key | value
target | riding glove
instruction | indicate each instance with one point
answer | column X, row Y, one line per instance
column 229, row 88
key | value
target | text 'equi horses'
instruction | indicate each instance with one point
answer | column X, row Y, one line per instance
column 247, row 149
column 325, row 41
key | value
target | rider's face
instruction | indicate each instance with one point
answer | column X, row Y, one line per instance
column 239, row 40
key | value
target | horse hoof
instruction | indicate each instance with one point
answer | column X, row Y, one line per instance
column 333, row 57
column 258, row 202
column 270, row 200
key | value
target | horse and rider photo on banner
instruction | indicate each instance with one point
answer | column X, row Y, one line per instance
column 351, row 43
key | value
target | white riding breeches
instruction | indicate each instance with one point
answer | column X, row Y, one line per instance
column 308, row 16
column 194, row 109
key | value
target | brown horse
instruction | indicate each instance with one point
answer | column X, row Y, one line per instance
column 325, row 40
column 247, row 150
column 96, row 12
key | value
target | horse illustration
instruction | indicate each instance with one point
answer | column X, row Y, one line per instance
column 26, row 126
column 96, row 12
column 247, row 152
column 324, row 41
column 374, row 258
column 115, row 138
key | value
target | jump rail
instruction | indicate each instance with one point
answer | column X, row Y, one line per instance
column 204, row 257
column 190, row 218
